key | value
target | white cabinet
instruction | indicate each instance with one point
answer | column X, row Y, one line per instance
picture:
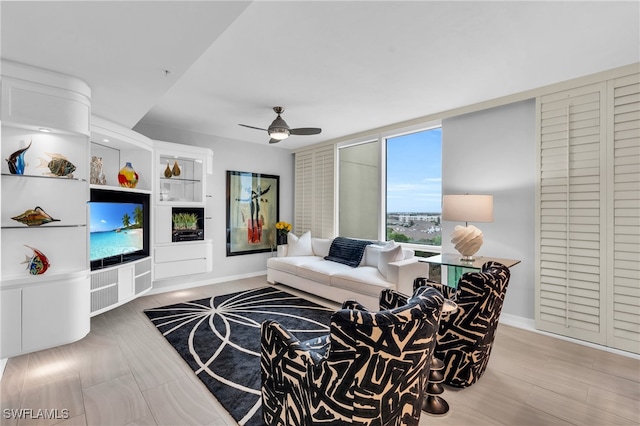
column 10, row 322
column 48, row 114
column 183, row 258
column 180, row 190
column 117, row 285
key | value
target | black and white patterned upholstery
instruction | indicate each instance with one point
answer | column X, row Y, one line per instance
column 370, row 370
column 466, row 336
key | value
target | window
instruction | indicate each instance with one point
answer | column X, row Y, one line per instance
column 390, row 188
column 359, row 190
column 414, row 187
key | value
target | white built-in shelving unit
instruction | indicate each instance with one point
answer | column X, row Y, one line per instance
column 184, row 191
column 115, row 145
column 51, row 112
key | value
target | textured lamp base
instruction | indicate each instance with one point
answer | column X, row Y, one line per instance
column 467, row 240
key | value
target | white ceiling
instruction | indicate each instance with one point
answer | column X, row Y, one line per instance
column 346, row 67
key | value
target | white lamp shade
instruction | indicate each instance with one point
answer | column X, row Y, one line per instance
column 467, row 208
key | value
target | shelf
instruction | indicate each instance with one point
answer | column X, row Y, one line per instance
column 43, row 226
column 119, row 188
column 45, row 177
column 175, row 179
column 35, row 280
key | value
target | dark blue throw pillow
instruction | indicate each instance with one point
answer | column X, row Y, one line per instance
column 347, row 251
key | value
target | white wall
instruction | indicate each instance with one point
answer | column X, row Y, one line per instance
column 493, row 152
column 230, row 155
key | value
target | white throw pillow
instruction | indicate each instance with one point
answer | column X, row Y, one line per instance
column 321, row 246
column 388, row 255
column 299, row 246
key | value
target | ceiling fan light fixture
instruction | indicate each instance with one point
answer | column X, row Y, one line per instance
column 279, row 133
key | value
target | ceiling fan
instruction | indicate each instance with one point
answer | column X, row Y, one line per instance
column 279, row 129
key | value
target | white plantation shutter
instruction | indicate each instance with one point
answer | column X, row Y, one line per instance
column 324, row 171
column 624, row 220
column 314, row 192
column 571, row 231
column 588, row 221
column 303, row 192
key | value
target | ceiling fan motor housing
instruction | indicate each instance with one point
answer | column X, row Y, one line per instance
column 279, row 129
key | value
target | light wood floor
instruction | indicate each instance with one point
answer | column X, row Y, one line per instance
column 125, row 373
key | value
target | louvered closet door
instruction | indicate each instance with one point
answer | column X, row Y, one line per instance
column 571, row 226
column 314, row 192
column 624, row 220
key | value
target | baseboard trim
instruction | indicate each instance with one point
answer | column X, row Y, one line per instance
column 529, row 325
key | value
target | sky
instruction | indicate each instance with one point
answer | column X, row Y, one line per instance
column 414, row 172
column 108, row 216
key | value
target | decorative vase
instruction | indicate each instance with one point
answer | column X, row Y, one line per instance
column 128, row 178
column 167, row 172
column 97, row 175
column 176, row 169
column 282, row 238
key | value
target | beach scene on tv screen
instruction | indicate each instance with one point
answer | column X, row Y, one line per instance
column 116, row 229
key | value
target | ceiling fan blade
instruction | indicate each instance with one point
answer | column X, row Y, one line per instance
column 274, row 140
column 305, row 131
column 252, row 127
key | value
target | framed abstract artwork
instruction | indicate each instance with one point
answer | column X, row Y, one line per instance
column 252, row 212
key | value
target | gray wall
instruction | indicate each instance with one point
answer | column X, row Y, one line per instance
column 230, row 155
column 493, row 152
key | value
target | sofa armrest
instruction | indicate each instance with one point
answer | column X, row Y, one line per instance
column 282, row 250
column 403, row 272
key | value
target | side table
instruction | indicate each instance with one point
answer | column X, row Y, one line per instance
column 434, row 404
column 456, row 267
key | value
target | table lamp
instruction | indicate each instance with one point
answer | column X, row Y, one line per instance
column 467, row 239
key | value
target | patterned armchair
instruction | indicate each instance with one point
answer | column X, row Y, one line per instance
column 466, row 336
column 369, row 370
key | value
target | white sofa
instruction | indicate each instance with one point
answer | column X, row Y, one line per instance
column 301, row 264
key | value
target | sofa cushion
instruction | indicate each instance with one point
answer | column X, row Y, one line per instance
column 290, row 264
column 387, row 255
column 321, row 246
column 299, row 246
column 321, row 271
column 347, row 250
column 363, row 280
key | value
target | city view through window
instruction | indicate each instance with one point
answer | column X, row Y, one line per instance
column 414, row 187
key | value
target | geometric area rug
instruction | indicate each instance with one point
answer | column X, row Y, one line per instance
column 219, row 338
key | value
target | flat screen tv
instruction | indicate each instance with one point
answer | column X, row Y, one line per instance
column 118, row 227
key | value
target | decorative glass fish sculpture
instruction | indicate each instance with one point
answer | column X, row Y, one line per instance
column 16, row 161
column 34, row 217
column 59, row 165
column 38, row 263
